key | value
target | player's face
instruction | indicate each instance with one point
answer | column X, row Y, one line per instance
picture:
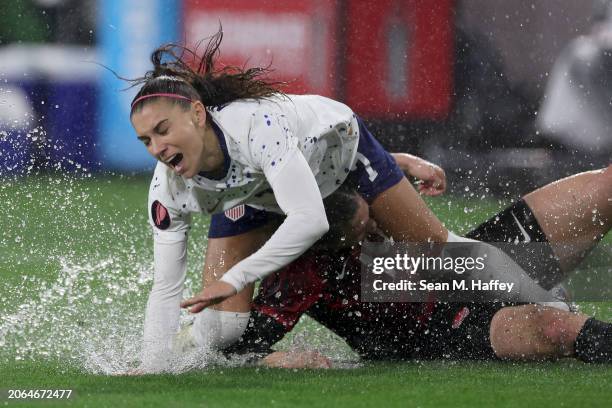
column 362, row 224
column 176, row 137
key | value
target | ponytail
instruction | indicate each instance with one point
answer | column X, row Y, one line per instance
column 172, row 73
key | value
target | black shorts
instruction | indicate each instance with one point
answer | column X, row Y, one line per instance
column 462, row 330
column 458, row 331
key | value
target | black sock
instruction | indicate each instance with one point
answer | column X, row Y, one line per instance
column 594, row 342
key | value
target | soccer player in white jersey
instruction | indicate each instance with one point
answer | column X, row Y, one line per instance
column 225, row 137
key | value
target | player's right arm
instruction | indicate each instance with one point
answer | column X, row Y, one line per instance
column 170, row 228
column 163, row 307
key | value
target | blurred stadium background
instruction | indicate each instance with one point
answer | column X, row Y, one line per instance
column 505, row 95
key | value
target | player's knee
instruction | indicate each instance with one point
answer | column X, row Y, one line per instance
column 529, row 332
column 219, row 329
column 501, row 332
column 602, row 178
column 552, row 325
column 607, row 177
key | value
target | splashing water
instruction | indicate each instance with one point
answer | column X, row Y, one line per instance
column 75, row 263
column 76, row 317
column 76, row 260
column 76, row 269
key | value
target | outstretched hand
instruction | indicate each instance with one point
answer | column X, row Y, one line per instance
column 431, row 178
column 217, row 292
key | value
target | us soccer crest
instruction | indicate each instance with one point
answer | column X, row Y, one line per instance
column 235, row 213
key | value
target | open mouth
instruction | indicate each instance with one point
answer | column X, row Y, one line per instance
column 175, row 160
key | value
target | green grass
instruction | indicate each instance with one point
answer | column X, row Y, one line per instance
column 75, row 263
column 432, row 384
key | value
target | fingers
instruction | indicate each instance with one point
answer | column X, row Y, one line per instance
column 441, row 180
column 190, row 302
column 430, row 191
column 215, row 293
column 197, row 303
column 198, row 307
column 432, row 180
column 295, row 359
column 432, row 188
column 318, row 360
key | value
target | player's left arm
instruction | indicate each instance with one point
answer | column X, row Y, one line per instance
column 432, row 178
column 298, row 196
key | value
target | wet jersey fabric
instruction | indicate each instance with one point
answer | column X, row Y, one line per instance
column 375, row 171
column 260, row 138
column 327, row 288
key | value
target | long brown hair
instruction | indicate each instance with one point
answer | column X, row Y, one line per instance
column 173, row 73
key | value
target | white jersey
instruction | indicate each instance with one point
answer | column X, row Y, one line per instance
column 274, row 147
column 261, row 136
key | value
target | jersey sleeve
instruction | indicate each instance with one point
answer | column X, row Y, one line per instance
column 163, row 307
column 166, row 217
column 170, row 228
column 298, row 196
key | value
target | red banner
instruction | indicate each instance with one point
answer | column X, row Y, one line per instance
column 399, row 58
column 295, row 38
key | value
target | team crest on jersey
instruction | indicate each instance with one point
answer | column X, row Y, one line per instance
column 460, row 317
column 160, row 215
column 235, row 213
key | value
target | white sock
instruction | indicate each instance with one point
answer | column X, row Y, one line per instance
column 219, row 329
column 505, row 270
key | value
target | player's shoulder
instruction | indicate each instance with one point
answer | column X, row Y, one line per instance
column 165, row 184
column 322, row 109
column 243, row 122
column 240, row 114
column 321, row 101
column 166, row 192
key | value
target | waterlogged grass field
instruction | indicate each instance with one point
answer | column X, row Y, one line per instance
column 75, row 270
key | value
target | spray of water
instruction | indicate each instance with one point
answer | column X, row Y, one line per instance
column 76, row 267
column 75, row 259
